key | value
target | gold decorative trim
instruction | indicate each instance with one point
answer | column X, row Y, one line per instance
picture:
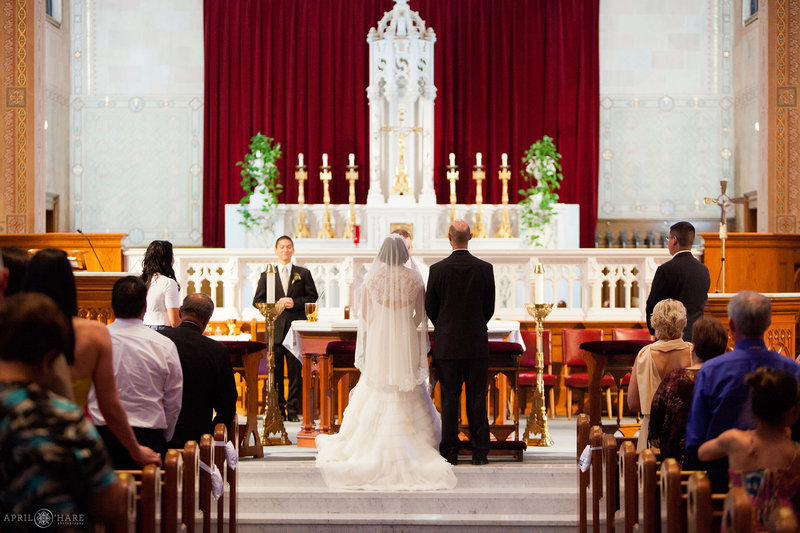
column 22, row 139
column 15, row 97
column 780, row 116
column 787, row 96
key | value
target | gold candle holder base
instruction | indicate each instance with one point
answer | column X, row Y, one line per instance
column 326, row 230
column 537, row 418
column 504, row 231
column 273, row 419
column 301, row 230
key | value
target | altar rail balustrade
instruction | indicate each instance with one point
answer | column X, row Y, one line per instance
column 586, row 284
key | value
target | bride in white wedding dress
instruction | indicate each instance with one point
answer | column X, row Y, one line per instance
column 390, row 430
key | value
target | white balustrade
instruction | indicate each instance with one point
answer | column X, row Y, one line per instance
column 587, row 284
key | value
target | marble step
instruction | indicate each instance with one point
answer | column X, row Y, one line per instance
column 295, row 474
column 405, row 523
column 474, row 501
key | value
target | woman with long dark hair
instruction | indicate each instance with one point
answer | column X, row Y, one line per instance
column 163, row 300
column 89, row 352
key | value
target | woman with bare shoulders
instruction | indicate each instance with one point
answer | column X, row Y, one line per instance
column 90, row 361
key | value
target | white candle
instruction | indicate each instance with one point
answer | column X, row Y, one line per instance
column 270, row 285
column 300, row 159
column 452, row 159
column 324, row 160
column 478, row 158
column 352, row 158
column 538, row 285
column 504, row 159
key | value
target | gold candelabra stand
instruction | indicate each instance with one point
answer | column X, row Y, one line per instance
column 352, row 177
column 326, row 230
column 273, row 419
column 537, row 418
column 301, row 229
column 479, row 175
column 452, row 177
column 504, row 231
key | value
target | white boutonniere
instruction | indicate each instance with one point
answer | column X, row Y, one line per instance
column 296, row 277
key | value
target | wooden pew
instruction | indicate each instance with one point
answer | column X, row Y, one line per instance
column 611, row 475
column 628, row 515
column 191, row 476
column 648, row 491
column 149, row 507
column 699, row 509
column 737, row 516
column 596, row 443
column 671, row 499
column 230, row 475
column 583, row 477
column 204, row 492
column 172, row 489
column 124, row 520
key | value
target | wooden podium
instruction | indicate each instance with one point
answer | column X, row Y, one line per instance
column 763, row 262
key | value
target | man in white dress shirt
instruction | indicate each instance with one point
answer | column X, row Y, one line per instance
column 148, row 375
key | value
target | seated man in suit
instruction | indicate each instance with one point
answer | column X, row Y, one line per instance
column 208, row 383
column 294, row 287
column 147, row 372
column 53, row 466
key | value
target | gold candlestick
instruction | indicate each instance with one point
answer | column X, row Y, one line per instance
column 504, row 231
column 273, row 420
column 479, row 231
column 452, row 177
column 301, row 230
column 326, row 230
column 537, row 418
column 352, row 177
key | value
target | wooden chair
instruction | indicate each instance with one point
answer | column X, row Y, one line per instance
column 527, row 371
column 670, row 491
column 577, row 378
column 611, row 475
column 648, row 491
column 627, row 334
column 737, row 516
column 628, row 497
column 699, row 510
column 583, row 477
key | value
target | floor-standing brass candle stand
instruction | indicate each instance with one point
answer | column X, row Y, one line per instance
column 273, row 420
column 537, row 419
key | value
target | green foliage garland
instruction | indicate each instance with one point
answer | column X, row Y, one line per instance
column 260, row 175
column 542, row 171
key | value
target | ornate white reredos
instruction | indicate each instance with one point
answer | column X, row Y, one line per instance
column 401, row 121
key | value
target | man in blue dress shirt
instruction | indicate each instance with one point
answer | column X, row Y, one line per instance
column 721, row 397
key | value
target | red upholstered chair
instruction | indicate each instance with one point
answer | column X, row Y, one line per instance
column 627, row 334
column 527, row 368
column 577, row 378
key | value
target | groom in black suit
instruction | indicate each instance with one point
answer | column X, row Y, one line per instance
column 459, row 302
column 682, row 278
column 295, row 287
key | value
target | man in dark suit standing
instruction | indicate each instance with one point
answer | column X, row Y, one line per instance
column 208, row 383
column 295, row 287
column 682, row 278
column 459, row 302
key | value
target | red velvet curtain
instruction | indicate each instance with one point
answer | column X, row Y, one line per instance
column 507, row 72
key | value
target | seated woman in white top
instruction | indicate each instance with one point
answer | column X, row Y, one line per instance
column 163, row 300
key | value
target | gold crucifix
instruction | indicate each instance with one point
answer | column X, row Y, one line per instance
column 352, row 177
column 326, row 230
column 504, row 175
column 401, row 185
column 724, row 202
column 479, row 175
column 301, row 230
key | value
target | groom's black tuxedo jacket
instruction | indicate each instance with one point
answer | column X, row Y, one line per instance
column 459, row 302
column 301, row 289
